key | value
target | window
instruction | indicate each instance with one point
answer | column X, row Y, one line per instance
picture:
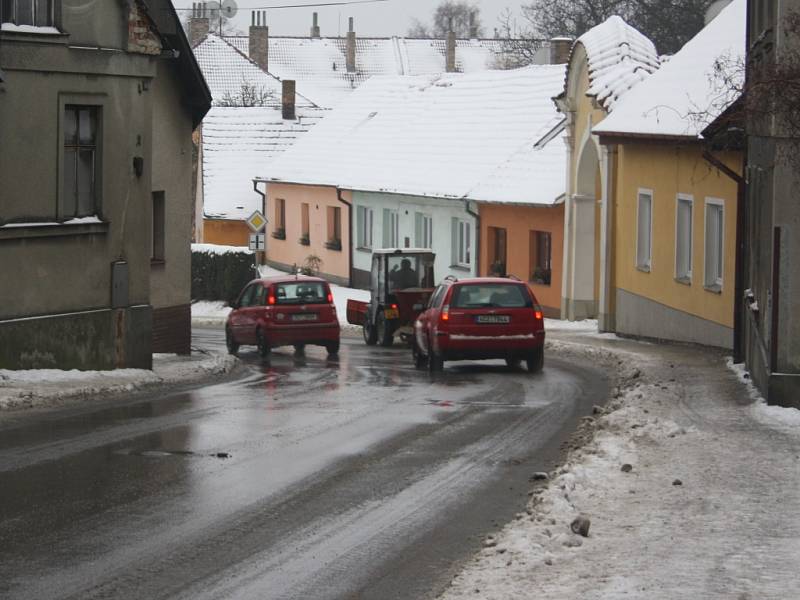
column 491, row 295
column 334, row 228
column 424, row 231
column 280, row 213
column 364, row 221
column 248, row 295
column 715, row 238
column 80, row 161
column 683, row 239
column 27, row 12
column 462, row 235
column 305, row 227
column 391, row 228
column 437, row 297
column 541, row 256
column 157, row 251
column 303, row 292
column 644, row 225
column 497, row 246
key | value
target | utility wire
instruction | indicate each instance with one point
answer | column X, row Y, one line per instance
column 317, row 4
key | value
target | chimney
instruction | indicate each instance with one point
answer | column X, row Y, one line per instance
column 315, row 26
column 473, row 28
column 560, row 48
column 288, row 99
column 351, row 48
column 259, row 39
column 198, row 23
column 450, row 62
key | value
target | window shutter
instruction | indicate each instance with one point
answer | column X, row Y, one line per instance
column 418, row 230
column 454, row 240
column 387, row 224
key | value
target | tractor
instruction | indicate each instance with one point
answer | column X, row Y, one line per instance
column 401, row 282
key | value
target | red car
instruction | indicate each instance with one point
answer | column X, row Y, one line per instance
column 480, row 318
column 283, row 311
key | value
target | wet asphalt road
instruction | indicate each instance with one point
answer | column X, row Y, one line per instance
column 351, row 478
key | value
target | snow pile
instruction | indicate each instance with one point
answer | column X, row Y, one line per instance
column 619, row 57
column 584, row 326
column 776, row 416
column 688, row 496
column 687, row 93
column 220, row 249
column 481, row 137
column 211, row 312
column 38, row 387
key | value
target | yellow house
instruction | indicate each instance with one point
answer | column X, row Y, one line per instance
column 670, row 203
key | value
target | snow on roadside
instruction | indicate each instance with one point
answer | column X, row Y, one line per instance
column 585, row 326
column 210, row 311
column 786, row 419
column 36, row 387
column 220, row 249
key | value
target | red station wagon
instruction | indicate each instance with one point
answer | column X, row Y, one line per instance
column 284, row 311
column 480, row 318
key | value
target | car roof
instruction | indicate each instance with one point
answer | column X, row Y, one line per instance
column 478, row 280
column 289, row 279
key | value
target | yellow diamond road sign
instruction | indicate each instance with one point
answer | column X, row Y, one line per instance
column 256, row 221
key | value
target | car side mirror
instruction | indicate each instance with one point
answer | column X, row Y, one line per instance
column 417, row 307
column 234, row 305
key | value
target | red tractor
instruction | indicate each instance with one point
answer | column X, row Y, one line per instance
column 401, row 282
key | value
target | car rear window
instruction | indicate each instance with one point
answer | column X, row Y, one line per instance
column 491, row 295
column 301, row 292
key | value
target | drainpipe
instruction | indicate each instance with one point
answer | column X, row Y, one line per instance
column 264, row 212
column 349, row 235
column 738, row 284
column 477, row 218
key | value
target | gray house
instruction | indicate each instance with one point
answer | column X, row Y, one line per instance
column 771, row 271
column 97, row 110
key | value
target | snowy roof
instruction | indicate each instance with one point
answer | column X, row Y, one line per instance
column 225, row 69
column 447, row 136
column 619, row 57
column 684, row 96
column 319, row 64
column 238, row 145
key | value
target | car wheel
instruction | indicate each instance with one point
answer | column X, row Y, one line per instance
column 262, row 343
column 513, row 363
column 299, row 348
column 370, row 335
column 420, row 360
column 333, row 348
column 435, row 360
column 384, row 330
column 232, row 346
column 535, row 360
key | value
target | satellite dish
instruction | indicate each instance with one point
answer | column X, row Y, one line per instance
column 229, row 9
column 212, row 10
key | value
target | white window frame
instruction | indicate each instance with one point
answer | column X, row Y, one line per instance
column 427, row 231
column 642, row 266
column 685, row 198
column 718, row 277
column 366, row 229
column 394, row 229
column 464, row 243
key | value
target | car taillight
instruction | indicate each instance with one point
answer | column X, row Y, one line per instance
column 537, row 312
column 330, row 298
column 394, row 306
column 445, row 313
column 270, row 299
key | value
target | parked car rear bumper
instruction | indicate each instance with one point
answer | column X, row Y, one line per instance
column 313, row 334
column 462, row 347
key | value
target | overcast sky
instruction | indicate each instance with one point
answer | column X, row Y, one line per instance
column 389, row 18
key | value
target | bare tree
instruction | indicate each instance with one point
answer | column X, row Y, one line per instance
column 459, row 16
column 519, row 46
column 668, row 23
column 247, row 95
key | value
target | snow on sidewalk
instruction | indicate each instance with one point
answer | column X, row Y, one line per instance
column 38, row 387
column 705, row 507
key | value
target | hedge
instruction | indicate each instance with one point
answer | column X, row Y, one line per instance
column 221, row 275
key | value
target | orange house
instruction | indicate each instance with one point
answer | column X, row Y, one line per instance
column 528, row 242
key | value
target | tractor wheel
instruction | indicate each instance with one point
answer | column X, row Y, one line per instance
column 384, row 330
column 370, row 335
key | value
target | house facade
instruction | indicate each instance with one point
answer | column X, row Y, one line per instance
column 94, row 240
column 672, row 228
column 477, row 152
column 770, row 328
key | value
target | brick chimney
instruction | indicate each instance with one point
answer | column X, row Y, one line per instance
column 315, row 26
column 560, row 48
column 473, row 27
column 351, row 48
column 259, row 39
column 450, row 59
column 288, row 99
column 198, row 23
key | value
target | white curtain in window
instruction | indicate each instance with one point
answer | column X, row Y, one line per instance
column 644, row 231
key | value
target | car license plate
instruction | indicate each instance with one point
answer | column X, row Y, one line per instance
column 493, row 319
column 304, row 317
column 391, row 313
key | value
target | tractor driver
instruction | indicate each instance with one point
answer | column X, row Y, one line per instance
column 405, row 277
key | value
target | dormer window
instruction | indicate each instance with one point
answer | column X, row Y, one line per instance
column 38, row 13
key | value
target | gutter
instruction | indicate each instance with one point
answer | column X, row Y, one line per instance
column 349, row 234
column 477, row 237
column 738, row 283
